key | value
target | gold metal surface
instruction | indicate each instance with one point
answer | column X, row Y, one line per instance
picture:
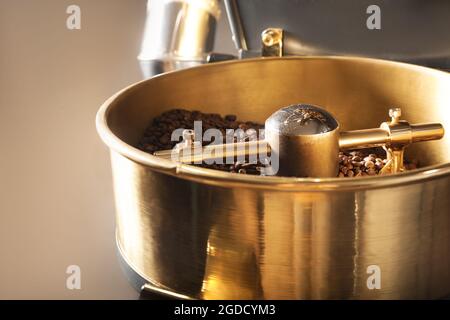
column 193, row 154
column 209, row 234
column 297, row 155
column 272, row 42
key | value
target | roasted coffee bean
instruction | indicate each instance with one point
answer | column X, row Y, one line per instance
column 230, row 117
column 356, row 164
column 369, row 163
column 164, row 139
column 158, row 134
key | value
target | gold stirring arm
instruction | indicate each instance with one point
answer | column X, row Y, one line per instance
column 396, row 132
column 394, row 136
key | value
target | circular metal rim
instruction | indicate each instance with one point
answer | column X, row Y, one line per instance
column 223, row 179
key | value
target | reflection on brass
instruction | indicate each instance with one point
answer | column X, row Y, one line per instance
column 178, row 34
column 205, row 233
column 272, row 42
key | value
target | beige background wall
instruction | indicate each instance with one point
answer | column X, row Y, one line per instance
column 56, row 206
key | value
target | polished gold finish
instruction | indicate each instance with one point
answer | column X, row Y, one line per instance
column 197, row 154
column 377, row 137
column 211, row 234
column 299, row 156
column 272, row 42
column 365, row 138
column 401, row 134
column 394, row 137
column 295, row 134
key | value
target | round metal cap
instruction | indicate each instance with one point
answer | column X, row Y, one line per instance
column 301, row 119
column 304, row 141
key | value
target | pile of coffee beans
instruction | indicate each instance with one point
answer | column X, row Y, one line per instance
column 368, row 162
column 158, row 134
column 357, row 163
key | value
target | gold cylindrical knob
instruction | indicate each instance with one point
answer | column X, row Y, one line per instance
column 427, row 131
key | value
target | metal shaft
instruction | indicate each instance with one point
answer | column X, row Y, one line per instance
column 204, row 154
column 369, row 138
column 356, row 139
column 314, row 155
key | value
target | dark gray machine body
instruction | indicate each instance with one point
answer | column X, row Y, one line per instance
column 416, row 31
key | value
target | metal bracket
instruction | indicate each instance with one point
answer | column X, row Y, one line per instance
column 272, row 42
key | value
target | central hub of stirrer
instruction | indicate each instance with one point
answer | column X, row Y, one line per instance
column 304, row 141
